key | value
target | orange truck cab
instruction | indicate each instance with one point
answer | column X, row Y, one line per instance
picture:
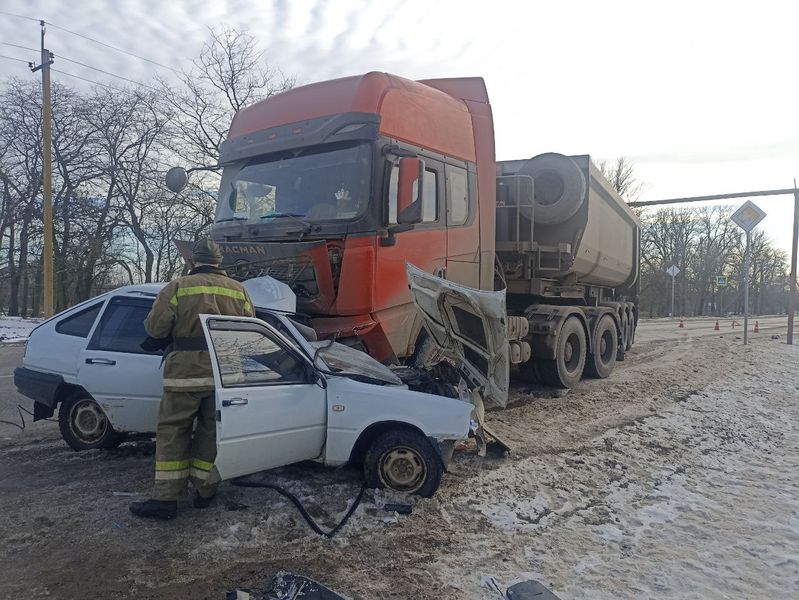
column 321, row 189
column 333, row 187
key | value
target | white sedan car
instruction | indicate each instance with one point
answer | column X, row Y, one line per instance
column 280, row 397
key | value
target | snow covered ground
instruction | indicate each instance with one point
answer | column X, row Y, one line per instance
column 677, row 477
column 16, row 329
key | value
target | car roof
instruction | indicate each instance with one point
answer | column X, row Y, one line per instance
column 145, row 289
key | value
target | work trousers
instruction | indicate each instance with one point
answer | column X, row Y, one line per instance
column 181, row 455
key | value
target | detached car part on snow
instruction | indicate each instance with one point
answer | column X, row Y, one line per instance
column 280, row 397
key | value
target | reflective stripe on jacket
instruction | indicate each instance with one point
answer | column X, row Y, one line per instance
column 175, row 314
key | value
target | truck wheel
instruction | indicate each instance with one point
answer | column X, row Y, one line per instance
column 84, row 426
column 630, row 337
column 404, row 461
column 567, row 368
column 602, row 359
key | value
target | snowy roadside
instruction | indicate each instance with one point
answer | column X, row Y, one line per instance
column 16, row 329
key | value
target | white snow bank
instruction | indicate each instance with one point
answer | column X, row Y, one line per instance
column 16, row 329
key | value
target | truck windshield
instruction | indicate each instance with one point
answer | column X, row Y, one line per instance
column 320, row 183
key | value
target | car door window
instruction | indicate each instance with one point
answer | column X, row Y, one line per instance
column 121, row 328
column 80, row 323
column 457, row 196
column 252, row 356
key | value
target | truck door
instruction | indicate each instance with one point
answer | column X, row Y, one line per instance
column 463, row 233
column 424, row 246
column 125, row 380
column 270, row 410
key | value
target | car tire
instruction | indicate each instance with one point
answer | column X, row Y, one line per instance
column 403, row 460
column 84, row 425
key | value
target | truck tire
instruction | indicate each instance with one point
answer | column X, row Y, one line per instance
column 566, row 370
column 604, row 345
column 84, row 426
column 403, row 460
column 559, row 186
column 630, row 338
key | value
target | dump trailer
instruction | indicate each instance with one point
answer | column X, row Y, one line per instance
column 334, row 187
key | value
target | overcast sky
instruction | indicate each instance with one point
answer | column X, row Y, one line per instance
column 702, row 96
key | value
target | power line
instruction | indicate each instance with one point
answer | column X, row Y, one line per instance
column 20, row 47
column 77, row 62
column 27, row 62
column 105, row 85
column 8, row 14
column 91, row 39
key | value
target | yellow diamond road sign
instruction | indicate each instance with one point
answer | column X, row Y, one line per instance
column 748, row 216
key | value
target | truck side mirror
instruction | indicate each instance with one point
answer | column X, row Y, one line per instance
column 410, row 188
column 176, row 179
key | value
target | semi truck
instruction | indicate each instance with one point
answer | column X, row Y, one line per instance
column 336, row 187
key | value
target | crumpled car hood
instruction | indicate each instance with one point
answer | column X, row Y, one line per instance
column 341, row 358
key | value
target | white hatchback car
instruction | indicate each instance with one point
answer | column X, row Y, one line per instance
column 280, row 397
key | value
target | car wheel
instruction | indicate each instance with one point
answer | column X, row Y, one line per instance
column 84, row 425
column 404, row 461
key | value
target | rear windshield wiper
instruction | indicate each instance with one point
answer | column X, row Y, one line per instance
column 231, row 219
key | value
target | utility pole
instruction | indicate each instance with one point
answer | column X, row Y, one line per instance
column 792, row 283
column 47, row 176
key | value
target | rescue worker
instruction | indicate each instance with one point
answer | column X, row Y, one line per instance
column 174, row 324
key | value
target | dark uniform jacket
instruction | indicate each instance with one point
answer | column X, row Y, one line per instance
column 175, row 316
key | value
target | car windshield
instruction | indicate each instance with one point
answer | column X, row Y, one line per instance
column 321, row 183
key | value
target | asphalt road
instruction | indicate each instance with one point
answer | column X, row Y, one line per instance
column 11, row 358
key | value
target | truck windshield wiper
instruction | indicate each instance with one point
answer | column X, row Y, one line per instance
column 307, row 227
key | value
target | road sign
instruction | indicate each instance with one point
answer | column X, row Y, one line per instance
column 673, row 270
column 748, row 216
column 721, row 280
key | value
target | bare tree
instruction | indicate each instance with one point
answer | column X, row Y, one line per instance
column 230, row 73
column 621, row 175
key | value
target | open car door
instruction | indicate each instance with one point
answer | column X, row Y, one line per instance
column 271, row 406
column 468, row 326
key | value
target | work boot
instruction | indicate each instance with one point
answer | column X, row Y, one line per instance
column 201, row 502
column 155, row 509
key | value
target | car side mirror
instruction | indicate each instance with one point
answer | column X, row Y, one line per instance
column 410, row 189
column 176, row 179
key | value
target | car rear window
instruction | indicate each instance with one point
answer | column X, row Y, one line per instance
column 121, row 327
column 80, row 323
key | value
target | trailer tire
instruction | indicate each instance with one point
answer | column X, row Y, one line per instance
column 566, row 370
column 604, row 346
column 559, row 187
column 630, row 337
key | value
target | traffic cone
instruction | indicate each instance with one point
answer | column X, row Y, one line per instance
column 717, row 328
column 681, row 325
column 757, row 327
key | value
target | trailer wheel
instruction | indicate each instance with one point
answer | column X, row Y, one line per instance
column 630, row 337
column 567, row 368
column 602, row 360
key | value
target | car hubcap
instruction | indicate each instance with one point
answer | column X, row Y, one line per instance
column 402, row 469
column 88, row 421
